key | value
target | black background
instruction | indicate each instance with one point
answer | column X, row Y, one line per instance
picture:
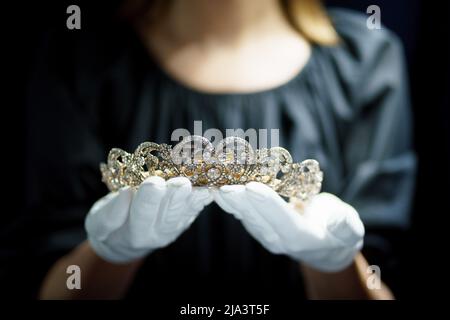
column 422, row 25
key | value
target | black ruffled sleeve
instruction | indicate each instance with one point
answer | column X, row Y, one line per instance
column 376, row 142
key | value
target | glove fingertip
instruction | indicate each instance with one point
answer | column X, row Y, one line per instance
column 108, row 213
column 231, row 188
column 178, row 182
column 154, row 181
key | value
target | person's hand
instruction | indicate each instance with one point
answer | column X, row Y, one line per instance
column 326, row 236
column 128, row 224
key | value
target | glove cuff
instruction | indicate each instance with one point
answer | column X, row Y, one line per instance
column 112, row 256
column 328, row 264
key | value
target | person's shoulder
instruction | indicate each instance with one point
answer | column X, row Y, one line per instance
column 365, row 61
column 360, row 42
column 353, row 26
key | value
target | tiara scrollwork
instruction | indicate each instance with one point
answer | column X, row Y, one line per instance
column 231, row 161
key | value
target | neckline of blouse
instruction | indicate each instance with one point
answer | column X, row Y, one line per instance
column 155, row 66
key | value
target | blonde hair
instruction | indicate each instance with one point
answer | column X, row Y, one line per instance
column 309, row 17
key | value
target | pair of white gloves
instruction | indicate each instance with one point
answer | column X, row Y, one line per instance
column 129, row 224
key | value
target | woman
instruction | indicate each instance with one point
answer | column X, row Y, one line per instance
column 336, row 90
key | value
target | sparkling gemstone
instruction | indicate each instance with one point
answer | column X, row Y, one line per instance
column 265, row 171
column 213, row 173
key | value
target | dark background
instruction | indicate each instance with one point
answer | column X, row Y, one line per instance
column 424, row 28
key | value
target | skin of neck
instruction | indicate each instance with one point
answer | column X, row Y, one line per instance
column 226, row 45
column 224, row 21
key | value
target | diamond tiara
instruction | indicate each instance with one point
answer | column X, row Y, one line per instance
column 232, row 161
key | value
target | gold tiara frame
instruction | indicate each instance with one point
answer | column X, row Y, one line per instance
column 231, row 161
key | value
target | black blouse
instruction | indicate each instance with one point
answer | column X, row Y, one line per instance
column 97, row 89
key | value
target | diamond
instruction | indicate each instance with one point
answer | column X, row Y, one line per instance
column 213, row 173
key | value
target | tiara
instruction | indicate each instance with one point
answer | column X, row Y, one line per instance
column 231, row 161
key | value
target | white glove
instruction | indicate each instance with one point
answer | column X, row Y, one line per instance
column 128, row 224
column 326, row 236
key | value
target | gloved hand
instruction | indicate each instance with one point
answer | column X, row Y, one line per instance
column 128, row 224
column 326, row 236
